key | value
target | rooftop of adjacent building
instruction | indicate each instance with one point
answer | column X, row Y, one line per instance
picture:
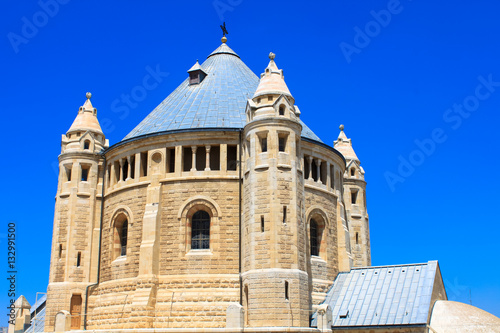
column 383, row 295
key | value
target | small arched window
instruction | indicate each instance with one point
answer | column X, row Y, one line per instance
column 120, row 236
column 282, row 110
column 123, row 238
column 200, row 231
column 353, row 172
column 313, row 229
column 86, row 145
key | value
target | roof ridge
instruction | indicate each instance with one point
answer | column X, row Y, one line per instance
column 388, row 266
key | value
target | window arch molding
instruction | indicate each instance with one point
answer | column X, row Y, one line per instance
column 185, row 215
column 121, row 215
column 87, row 141
column 317, row 214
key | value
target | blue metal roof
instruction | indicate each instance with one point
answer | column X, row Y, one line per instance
column 219, row 101
column 383, row 295
column 38, row 321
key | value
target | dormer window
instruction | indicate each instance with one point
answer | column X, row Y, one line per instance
column 196, row 74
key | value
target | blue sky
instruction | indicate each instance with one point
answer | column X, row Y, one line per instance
column 416, row 84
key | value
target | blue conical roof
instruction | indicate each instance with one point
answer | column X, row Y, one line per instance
column 219, row 101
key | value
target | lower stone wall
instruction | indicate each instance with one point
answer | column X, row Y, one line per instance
column 194, row 301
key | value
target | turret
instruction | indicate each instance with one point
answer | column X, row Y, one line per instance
column 355, row 202
column 75, row 240
column 275, row 279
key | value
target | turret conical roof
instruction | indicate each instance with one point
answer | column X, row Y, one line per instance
column 86, row 120
column 272, row 81
column 344, row 145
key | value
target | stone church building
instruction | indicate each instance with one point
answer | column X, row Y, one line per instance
column 223, row 212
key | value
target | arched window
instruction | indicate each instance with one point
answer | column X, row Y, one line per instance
column 282, row 110
column 353, row 172
column 86, row 144
column 120, row 236
column 123, row 238
column 200, row 231
column 315, row 242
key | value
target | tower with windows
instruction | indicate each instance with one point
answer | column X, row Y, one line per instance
column 355, row 202
column 75, row 240
column 274, row 268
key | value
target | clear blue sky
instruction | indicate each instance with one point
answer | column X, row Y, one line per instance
column 416, row 84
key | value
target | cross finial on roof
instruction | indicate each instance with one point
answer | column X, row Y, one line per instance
column 224, row 32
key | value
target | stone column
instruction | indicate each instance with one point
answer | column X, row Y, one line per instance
column 318, row 169
column 121, row 170
column 112, row 180
column 137, row 166
column 309, row 161
column 193, row 161
column 129, row 169
column 223, row 159
column 328, row 182
column 207, row 158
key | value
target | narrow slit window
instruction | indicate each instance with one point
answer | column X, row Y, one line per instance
column 232, row 158
column 313, row 230
column 357, row 238
column 187, row 158
column 144, row 164
column 263, row 144
column 332, row 177
column 68, row 173
column 78, row 259
column 60, row 251
column 123, row 238
column 353, row 172
column 132, row 167
column 215, row 157
column 85, row 173
column 354, row 197
column 286, row 290
column 284, row 214
column 262, row 223
column 125, row 170
column 171, row 160
column 282, row 143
